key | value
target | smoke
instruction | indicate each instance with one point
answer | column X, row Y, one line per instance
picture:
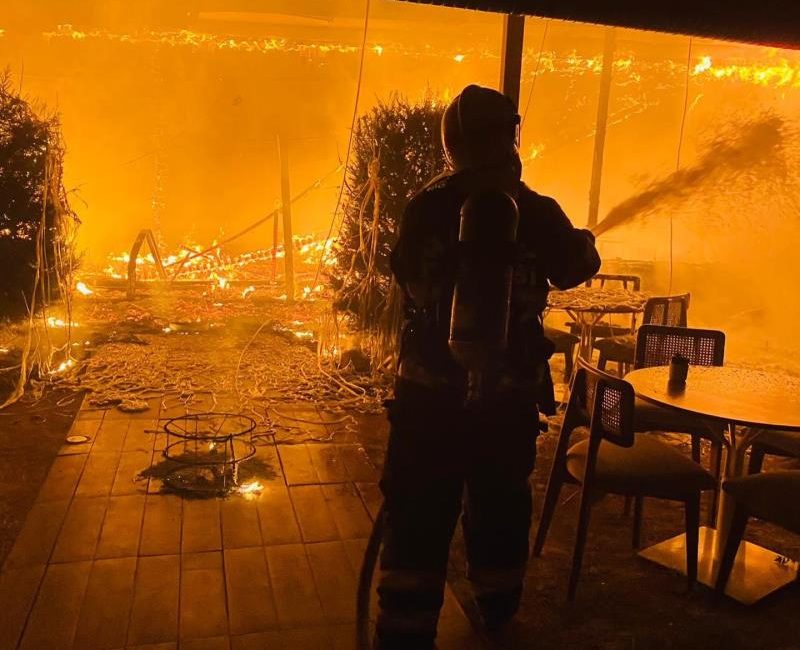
column 738, row 155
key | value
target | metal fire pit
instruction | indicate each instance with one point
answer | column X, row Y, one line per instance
column 206, row 449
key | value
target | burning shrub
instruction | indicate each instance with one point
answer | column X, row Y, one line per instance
column 36, row 223
column 396, row 150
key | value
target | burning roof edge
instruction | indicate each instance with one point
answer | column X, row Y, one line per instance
column 774, row 23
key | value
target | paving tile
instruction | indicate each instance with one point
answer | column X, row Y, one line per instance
column 358, row 465
column 203, row 612
column 372, row 497
column 105, row 613
column 35, row 542
column 348, row 510
column 154, row 617
column 217, row 643
column 304, row 639
column 122, row 526
column 240, row 526
column 297, row 466
column 86, row 424
column 268, row 455
column 335, row 580
column 63, row 477
column 250, row 602
column 72, row 449
column 201, row 526
column 327, row 462
column 111, row 436
column 140, row 436
column 276, row 515
column 81, row 530
column 293, row 586
column 127, row 479
column 315, row 519
column 98, row 474
column 117, row 414
column 54, row 616
column 355, row 549
column 301, row 416
column 18, row 589
column 161, row 526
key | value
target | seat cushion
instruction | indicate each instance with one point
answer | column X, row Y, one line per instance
column 779, row 443
column 617, row 348
column 773, row 496
column 650, row 467
column 649, row 417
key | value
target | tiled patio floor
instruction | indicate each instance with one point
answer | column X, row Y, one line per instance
column 106, row 562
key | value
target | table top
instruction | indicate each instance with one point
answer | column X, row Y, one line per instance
column 598, row 300
column 732, row 394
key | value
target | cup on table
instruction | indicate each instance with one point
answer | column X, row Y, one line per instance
column 678, row 371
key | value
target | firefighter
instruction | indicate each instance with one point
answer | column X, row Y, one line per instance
column 444, row 455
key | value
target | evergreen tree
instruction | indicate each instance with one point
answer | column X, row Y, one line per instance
column 396, row 150
column 31, row 189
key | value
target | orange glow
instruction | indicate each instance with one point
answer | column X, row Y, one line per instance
column 782, row 73
column 81, row 288
column 64, row 366
column 59, row 323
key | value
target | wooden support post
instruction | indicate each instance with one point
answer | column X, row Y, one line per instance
column 511, row 56
column 275, row 221
column 286, row 210
column 601, row 125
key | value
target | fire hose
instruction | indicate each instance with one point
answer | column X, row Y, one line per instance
column 478, row 331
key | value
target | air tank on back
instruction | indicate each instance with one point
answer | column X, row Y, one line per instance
column 482, row 298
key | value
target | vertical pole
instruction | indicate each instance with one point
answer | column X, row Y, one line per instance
column 511, row 56
column 286, row 210
column 600, row 128
column 275, row 220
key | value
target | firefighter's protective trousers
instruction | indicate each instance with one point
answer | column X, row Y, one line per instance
column 444, row 457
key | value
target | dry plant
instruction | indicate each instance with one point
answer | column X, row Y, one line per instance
column 37, row 237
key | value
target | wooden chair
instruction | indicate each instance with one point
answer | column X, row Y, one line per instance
column 614, row 460
column 670, row 311
column 771, row 496
column 565, row 343
column 655, row 346
column 785, row 444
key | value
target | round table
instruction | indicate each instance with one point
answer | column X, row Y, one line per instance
column 587, row 306
column 745, row 401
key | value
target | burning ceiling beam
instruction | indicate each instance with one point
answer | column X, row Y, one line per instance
column 766, row 22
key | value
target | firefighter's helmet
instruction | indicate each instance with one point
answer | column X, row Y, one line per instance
column 480, row 128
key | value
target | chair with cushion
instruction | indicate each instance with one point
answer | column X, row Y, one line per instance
column 671, row 311
column 785, row 444
column 612, row 459
column 565, row 343
column 771, row 496
column 655, row 346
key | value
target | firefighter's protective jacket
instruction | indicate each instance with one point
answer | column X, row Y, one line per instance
column 425, row 261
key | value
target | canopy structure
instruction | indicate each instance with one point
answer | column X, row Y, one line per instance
column 766, row 22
